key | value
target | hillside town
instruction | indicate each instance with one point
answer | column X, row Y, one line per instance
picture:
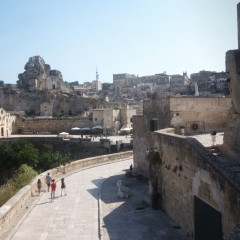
column 143, row 157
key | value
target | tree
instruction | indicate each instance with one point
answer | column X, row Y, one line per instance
column 72, row 84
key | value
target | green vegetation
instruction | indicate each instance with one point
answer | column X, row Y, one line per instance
column 116, row 108
column 72, row 84
column 30, row 112
column 106, row 86
column 23, row 160
column 22, row 177
column 14, row 154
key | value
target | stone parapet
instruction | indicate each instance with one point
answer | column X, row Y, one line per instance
column 14, row 205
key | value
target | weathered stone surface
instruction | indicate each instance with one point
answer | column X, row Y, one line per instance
column 233, row 69
column 232, row 134
column 39, row 75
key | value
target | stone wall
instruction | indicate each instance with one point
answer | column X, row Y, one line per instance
column 232, row 133
column 50, row 125
column 157, row 109
column 208, row 113
column 186, row 170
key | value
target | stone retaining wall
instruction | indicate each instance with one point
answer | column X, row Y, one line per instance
column 13, row 206
column 187, row 170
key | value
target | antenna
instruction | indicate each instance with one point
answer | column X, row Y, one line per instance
column 97, row 75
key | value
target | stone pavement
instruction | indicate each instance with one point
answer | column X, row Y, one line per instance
column 206, row 140
column 81, row 215
column 74, row 216
column 130, row 218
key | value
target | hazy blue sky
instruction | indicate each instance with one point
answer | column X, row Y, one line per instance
column 141, row 37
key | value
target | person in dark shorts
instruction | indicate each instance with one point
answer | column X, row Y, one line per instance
column 63, row 187
column 48, row 181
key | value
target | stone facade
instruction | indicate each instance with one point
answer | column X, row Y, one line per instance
column 199, row 114
column 113, row 120
column 46, row 109
column 96, row 86
column 6, row 122
column 49, row 125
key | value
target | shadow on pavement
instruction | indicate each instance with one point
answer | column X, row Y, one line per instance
column 122, row 220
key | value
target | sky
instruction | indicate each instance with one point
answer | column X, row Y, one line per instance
column 141, row 37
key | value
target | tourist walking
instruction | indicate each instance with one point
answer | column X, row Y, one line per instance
column 63, row 187
column 39, row 186
column 48, row 181
column 53, row 189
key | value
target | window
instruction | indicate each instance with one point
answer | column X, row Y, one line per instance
column 153, row 125
column 95, row 119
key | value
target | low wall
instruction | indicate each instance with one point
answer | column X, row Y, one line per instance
column 18, row 201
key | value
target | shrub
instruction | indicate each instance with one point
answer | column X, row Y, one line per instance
column 22, row 177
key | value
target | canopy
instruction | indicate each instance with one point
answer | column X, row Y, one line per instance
column 126, row 129
column 86, row 128
column 63, row 133
column 75, row 128
column 98, row 127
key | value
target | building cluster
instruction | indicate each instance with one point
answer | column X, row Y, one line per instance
column 94, row 86
column 6, row 123
column 130, row 87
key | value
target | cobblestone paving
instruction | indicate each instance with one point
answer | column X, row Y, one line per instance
column 74, row 216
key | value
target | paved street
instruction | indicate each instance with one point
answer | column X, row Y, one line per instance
column 74, row 216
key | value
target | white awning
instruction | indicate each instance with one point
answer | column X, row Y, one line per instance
column 86, row 128
column 98, row 127
column 75, row 128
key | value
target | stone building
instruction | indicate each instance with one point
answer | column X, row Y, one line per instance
column 96, row 86
column 112, row 119
column 39, row 76
column 6, row 122
column 210, row 82
column 195, row 114
column 46, row 109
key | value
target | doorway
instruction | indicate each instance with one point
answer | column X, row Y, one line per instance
column 207, row 221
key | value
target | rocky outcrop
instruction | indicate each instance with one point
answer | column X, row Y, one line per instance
column 39, row 76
